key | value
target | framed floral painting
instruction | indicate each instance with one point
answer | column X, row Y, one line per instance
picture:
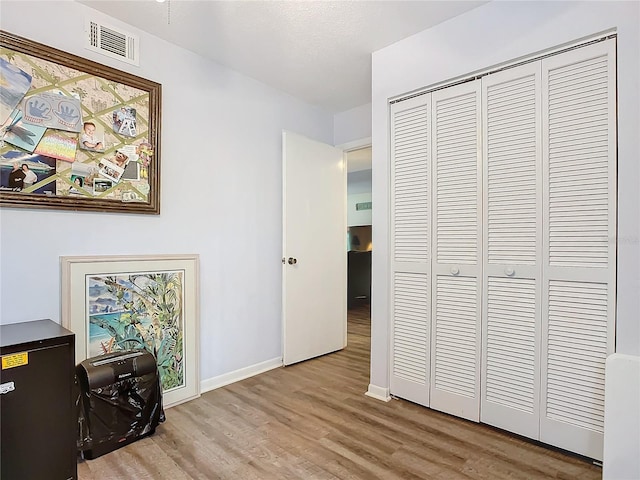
column 115, row 303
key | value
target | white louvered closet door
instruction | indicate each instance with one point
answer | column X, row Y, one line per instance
column 579, row 161
column 410, row 225
column 456, row 257
column 512, row 249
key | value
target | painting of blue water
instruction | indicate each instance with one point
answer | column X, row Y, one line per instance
column 139, row 311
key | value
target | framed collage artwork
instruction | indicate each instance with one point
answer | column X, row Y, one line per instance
column 75, row 134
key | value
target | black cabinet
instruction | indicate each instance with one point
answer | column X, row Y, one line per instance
column 358, row 278
column 37, row 404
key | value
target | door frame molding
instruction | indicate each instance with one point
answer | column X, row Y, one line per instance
column 355, row 145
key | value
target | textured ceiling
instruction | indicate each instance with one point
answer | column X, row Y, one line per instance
column 318, row 51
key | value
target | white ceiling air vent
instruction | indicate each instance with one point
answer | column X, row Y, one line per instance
column 112, row 42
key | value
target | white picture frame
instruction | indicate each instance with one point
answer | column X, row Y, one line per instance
column 82, row 278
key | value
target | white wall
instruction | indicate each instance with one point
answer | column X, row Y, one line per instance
column 358, row 217
column 621, row 418
column 358, row 190
column 352, row 125
column 489, row 35
column 221, row 194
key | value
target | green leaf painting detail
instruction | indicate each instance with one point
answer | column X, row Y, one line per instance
column 139, row 310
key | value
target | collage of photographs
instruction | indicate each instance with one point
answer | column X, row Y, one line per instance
column 84, row 139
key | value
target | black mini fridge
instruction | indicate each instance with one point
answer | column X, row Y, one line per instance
column 120, row 400
column 37, row 400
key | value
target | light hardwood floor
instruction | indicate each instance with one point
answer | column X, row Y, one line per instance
column 313, row 421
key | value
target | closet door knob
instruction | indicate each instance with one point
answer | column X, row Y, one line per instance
column 509, row 272
column 455, row 270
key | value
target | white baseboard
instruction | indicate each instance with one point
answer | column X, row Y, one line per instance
column 379, row 393
column 241, row 374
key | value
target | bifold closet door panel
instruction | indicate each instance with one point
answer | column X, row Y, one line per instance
column 410, row 246
column 456, row 251
column 512, row 178
column 578, row 309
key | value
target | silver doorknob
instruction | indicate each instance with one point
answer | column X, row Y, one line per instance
column 509, row 272
column 455, row 270
column 292, row 261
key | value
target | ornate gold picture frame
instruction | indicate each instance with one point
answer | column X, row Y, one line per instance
column 90, row 134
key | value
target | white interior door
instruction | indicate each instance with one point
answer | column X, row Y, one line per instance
column 578, row 293
column 457, row 251
column 314, row 269
column 513, row 250
column 411, row 261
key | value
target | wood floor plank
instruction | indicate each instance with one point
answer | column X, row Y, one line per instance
column 312, row 421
